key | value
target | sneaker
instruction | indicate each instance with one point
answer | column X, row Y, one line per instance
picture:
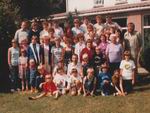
column 103, row 94
column 31, row 98
column 12, row 90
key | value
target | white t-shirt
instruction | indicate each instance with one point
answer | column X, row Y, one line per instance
column 60, row 80
column 127, row 69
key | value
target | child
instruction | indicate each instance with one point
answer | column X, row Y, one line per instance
column 127, row 68
column 23, row 70
column 98, row 59
column 49, row 88
column 33, row 73
column 61, row 81
column 89, row 83
column 104, row 80
column 116, row 83
column 39, row 79
column 75, row 82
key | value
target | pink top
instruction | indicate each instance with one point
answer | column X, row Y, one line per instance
column 103, row 47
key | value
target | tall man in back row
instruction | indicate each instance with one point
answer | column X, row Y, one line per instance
column 133, row 42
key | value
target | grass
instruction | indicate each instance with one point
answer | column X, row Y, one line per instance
column 138, row 102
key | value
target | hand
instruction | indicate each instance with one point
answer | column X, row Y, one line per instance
column 41, row 85
column 133, row 82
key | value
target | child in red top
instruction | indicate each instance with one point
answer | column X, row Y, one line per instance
column 49, row 88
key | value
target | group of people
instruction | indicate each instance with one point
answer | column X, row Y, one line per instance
column 85, row 58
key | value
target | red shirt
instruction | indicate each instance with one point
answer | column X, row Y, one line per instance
column 49, row 87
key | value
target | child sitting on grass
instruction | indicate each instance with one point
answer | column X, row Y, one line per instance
column 49, row 88
column 117, row 84
column 89, row 83
column 75, row 82
column 105, row 80
column 41, row 76
column 61, row 81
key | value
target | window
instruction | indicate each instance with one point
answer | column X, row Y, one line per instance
column 98, row 2
column 121, row 1
column 122, row 22
column 146, row 28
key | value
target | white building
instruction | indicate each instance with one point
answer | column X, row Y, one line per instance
column 122, row 11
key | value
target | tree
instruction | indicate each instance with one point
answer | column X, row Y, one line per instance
column 9, row 17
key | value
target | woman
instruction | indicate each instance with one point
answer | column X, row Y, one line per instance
column 114, row 53
column 13, row 56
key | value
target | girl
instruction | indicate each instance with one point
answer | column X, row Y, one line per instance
column 61, row 81
column 74, row 64
column 103, row 44
column 23, row 70
column 89, row 83
column 49, row 88
column 75, row 82
column 68, row 51
column 127, row 68
column 57, row 52
column 80, row 45
column 116, row 83
column 13, row 56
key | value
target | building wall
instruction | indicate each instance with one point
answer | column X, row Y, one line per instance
column 81, row 5
column 137, row 20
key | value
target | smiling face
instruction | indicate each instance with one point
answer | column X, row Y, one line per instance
column 131, row 27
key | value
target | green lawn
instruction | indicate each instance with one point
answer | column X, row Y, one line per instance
column 138, row 102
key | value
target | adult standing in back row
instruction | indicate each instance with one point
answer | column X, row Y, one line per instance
column 133, row 42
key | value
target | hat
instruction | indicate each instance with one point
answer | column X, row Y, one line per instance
column 127, row 53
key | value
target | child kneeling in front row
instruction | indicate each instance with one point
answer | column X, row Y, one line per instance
column 105, row 80
column 89, row 83
column 75, row 82
column 117, row 84
column 49, row 88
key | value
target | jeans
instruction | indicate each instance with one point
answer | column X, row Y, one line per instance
column 39, row 80
column 14, row 77
column 32, row 82
column 127, row 85
column 105, row 88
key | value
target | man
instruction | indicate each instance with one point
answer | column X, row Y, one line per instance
column 22, row 33
column 133, row 42
column 35, row 51
column 109, row 23
column 99, row 26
